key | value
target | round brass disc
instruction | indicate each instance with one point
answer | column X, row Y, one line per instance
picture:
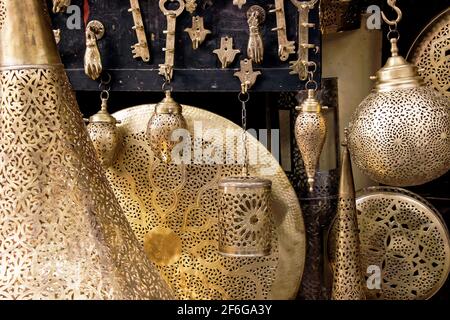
column 430, row 53
column 406, row 238
column 185, row 198
column 162, row 246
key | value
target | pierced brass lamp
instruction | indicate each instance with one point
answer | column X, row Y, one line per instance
column 62, row 232
column 400, row 134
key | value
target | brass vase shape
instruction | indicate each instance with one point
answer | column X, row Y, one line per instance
column 105, row 135
column 63, row 234
column 348, row 279
column 400, row 134
column 310, row 133
column 167, row 118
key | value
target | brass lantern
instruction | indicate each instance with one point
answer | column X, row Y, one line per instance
column 310, row 133
column 400, row 134
column 105, row 135
column 167, row 118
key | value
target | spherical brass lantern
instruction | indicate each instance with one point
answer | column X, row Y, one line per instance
column 168, row 117
column 400, row 134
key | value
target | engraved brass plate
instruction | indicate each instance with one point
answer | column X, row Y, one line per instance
column 181, row 202
column 406, row 238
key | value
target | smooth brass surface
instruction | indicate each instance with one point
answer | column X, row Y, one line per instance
column 141, row 49
column 60, row 5
column 430, row 53
column 167, row 118
column 406, row 238
column 166, row 69
column 348, row 278
column 247, row 75
column 63, row 234
column 310, row 133
column 197, row 32
column 239, row 3
column 300, row 66
column 285, row 47
column 245, row 222
column 93, row 67
column 256, row 16
column 185, row 198
column 226, row 53
column 163, row 246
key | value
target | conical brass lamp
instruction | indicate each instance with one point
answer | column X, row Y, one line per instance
column 400, row 134
column 348, row 279
column 62, row 232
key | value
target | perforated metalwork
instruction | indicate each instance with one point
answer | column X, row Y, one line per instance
column 404, row 237
column 185, row 199
column 402, row 137
column 106, row 140
column 62, row 232
column 2, row 13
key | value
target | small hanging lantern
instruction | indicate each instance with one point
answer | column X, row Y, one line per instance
column 400, row 134
column 245, row 227
column 168, row 117
column 310, row 132
column 105, row 135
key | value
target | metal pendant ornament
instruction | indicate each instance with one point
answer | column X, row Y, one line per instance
column 310, row 132
column 105, row 136
column 256, row 16
column 93, row 66
column 400, row 134
column 245, row 225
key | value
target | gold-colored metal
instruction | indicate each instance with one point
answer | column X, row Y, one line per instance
column 348, row 278
column 285, row 47
column 105, row 136
column 226, row 53
column 167, row 118
column 57, row 34
column 93, row 67
column 405, row 238
column 166, row 69
column 163, row 246
column 247, row 75
column 300, row 66
column 392, row 4
column 339, row 16
column 197, row 32
column 310, row 133
column 140, row 49
column 239, row 3
column 245, row 222
column 63, row 234
column 429, row 53
column 191, row 6
column 256, row 16
column 185, row 198
column 60, row 5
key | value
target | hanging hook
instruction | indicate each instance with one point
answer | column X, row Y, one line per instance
column 392, row 4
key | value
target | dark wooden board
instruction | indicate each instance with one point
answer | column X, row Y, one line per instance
column 195, row 70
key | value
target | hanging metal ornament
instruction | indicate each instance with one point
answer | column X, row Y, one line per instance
column 400, row 134
column 310, row 131
column 245, row 225
column 105, row 135
column 348, row 279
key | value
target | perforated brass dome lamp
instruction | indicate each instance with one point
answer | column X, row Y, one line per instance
column 400, row 134
column 63, row 234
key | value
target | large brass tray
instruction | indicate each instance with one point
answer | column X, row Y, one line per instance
column 173, row 211
column 406, row 238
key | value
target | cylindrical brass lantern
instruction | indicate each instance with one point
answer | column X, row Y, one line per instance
column 244, row 217
column 63, row 234
column 168, row 117
column 105, row 136
column 310, row 133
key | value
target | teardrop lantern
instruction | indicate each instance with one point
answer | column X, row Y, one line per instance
column 63, row 234
column 400, row 134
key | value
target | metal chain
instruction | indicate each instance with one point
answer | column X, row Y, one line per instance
column 244, row 130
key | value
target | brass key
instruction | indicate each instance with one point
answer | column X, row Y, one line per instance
column 300, row 66
column 285, row 47
column 140, row 49
column 166, row 69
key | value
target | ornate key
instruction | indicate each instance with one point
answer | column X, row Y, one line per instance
column 166, row 69
column 300, row 66
column 285, row 47
column 197, row 32
column 140, row 50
